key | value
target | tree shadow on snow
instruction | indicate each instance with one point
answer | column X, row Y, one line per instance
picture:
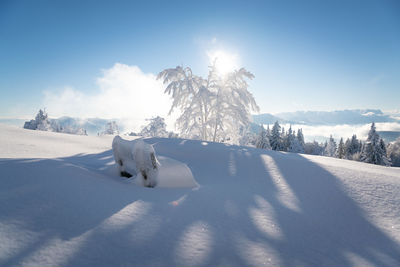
column 225, row 222
column 59, row 206
column 249, row 224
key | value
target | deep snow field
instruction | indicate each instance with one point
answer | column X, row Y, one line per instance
column 62, row 203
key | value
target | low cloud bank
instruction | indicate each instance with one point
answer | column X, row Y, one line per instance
column 321, row 132
column 123, row 92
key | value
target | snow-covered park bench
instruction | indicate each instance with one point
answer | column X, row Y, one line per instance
column 136, row 158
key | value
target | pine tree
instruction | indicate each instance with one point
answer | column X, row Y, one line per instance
column 262, row 139
column 340, row 152
column 330, row 147
column 347, row 146
column 289, row 140
column 300, row 138
column 373, row 151
column 276, row 140
column 268, row 132
column 352, row 147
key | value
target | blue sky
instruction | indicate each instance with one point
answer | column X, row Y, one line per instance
column 306, row 55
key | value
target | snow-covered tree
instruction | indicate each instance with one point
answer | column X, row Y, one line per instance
column 340, row 151
column 247, row 136
column 213, row 109
column 383, row 146
column 285, row 143
column 289, row 139
column 268, row 132
column 293, row 144
column 276, row 140
column 111, row 128
column 373, row 151
column 352, row 146
column 300, row 139
column 296, row 146
column 156, row 128
column 330, row 147
column 262, row 139
column 314, row 148
column 41, row 122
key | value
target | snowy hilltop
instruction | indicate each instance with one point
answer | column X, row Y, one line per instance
column 42, row 122
column 64, row 204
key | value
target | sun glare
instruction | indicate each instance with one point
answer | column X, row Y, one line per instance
column 225, row 62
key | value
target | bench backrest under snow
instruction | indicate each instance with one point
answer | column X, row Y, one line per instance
column 136, row 158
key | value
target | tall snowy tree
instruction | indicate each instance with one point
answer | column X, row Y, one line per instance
column 300, row 138
column 294, row 144
column 383, row 146
column 347, row 148
column 289, row 138
column 262, row 139
column 372, row 150
column 213, row 109
column 285, row 141
column 268, row 132
column 341, row 152
column 352, row 146
column 330, row 147
column 276, row 141
column 156, row 128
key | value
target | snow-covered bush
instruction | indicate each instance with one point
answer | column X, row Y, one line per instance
column 111, row 128
column 356, row 156
column 313, row 148
column 136, row 158
column 156, row 128
column 247, row 136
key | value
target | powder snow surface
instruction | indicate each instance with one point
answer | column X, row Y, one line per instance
column 63, row 204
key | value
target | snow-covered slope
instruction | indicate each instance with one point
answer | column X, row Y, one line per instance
column 62, row 204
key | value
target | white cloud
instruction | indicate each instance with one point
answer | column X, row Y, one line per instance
column 322, row 132
column 124, row 92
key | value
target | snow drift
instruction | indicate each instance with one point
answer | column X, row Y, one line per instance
column 64, row 204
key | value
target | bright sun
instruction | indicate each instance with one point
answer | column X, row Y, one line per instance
column 225, row 62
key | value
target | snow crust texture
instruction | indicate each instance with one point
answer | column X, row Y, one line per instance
column 62, row 203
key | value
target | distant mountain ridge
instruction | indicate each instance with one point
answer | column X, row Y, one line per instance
column 91, row 125
column 354, row 116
